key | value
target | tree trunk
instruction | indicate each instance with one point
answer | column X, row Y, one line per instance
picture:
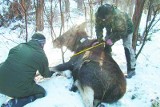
column 51, row 20
column 25, row 5
column 136, row 20
column 80, row 4
column 149, row 24
column 15, row 10
column 132, row 2
column 115, row 2
column 91, row 16
column 39, row 15
column 62, row 15
column 67, row 6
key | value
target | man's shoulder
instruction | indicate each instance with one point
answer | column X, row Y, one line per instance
column 120, row 17
column 119, row 13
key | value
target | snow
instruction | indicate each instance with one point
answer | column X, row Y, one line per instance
column 141, row 89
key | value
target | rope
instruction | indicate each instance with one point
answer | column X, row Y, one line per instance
column 84, row 50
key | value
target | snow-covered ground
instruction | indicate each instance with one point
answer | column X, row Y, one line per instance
column 141, row 89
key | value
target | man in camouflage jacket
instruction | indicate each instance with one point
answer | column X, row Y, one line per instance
column 18, row 71
column 118, row 25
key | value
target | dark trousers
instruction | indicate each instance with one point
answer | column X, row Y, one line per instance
column 37, row 92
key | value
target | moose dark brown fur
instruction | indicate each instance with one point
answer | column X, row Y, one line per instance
column 96, row 74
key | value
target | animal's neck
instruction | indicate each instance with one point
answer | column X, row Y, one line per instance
column 97, row 54
column 80, row 43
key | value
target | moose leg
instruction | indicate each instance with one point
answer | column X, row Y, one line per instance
column 64, row 66
column 86, row 93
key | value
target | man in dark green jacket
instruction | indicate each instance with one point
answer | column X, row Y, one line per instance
column 118, row 25
column 17, row 73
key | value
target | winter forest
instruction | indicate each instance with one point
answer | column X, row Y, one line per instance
column 20, row 19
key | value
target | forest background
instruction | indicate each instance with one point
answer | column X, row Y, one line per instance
column 19, row 19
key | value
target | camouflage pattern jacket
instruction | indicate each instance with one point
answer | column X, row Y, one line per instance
column 118, row 26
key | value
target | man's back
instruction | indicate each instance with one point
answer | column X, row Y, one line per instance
column 20, row 67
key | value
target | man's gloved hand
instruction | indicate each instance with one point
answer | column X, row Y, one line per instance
column 109, row 42
column 99, row 40
column 58, row 74
column 54, row 71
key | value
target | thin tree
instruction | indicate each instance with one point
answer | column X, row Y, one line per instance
column 80, row 4
column 131, row 6
column 136, row 20
column 150, row 23
column 67, row 6
column 62, row 26
column 115, row 2
column 51, row 20
column 49, row 15
column 39, row 15
column 102, row 2
column 25, row 9
column 91, row 16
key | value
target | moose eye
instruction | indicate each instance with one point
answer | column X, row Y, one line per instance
column 61, row 40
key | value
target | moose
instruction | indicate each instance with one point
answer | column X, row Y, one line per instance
column 97, row 76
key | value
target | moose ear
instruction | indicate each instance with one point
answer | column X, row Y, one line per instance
column 81, row 27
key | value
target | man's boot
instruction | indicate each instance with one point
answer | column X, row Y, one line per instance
column 130, row 71
column 20, row 102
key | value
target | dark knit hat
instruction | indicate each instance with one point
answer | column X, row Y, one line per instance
column 104, row 10
column 38, row 36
